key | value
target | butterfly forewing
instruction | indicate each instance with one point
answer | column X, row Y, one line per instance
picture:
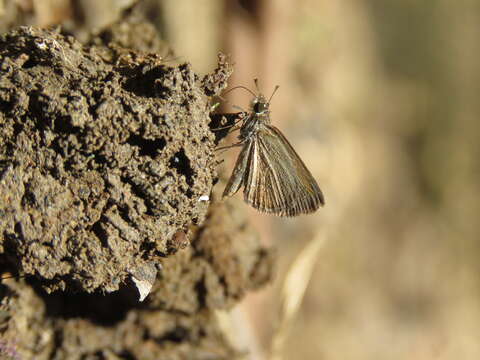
column 275, row 179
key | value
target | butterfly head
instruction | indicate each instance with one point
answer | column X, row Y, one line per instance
column 260, row 105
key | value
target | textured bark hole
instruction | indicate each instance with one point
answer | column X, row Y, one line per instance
column 177, row 335
column 101, row 309
column 30, row 63
column 100, row 233
column 147, row 147
column 146, row 83
column 63, row 124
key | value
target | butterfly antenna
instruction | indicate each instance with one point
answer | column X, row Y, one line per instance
column 273, row 93
column 240, row 87
column 234, row 106
column 239, row 108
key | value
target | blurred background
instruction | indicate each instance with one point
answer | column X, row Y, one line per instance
column 380, row 99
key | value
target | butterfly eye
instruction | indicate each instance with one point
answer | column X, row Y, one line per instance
column 259, row 107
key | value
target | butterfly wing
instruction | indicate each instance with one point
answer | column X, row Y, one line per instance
column 276, row 180
column 238, row 174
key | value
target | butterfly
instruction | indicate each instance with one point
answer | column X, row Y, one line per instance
column 274, row 178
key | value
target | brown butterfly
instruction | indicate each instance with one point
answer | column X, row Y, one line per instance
column 275, row 180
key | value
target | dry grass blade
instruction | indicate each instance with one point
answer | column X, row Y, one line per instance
column 295, row 284
column 237, row 329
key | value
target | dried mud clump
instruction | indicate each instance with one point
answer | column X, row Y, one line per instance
column 176, row 321
column 106, row 173
column 101, row 163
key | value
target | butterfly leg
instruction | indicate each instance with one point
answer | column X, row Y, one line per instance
column 231, row 127
column 240, row 143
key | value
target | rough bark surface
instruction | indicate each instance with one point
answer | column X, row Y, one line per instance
column 106, row 159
